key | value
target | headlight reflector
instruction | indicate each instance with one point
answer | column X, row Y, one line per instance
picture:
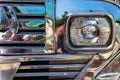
column 90, row 30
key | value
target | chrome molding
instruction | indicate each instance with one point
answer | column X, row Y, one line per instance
column 70, row 74
column 57, row 57
column 58, row 66
column 14, row 21
column 109, row 76
column 50, row 44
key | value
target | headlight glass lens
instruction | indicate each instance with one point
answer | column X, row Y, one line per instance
column 89, row 30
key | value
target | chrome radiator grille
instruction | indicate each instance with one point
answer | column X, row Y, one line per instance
column 59, row 67
column 35, row 32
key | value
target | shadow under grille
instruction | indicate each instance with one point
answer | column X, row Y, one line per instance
column 52, row 69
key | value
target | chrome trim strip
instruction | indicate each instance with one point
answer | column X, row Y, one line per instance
column 32, row 39
column 50, row 24
column 9, row 59
column 51, row 66
column 69, row 74
column 109, row 76
column 21, row 42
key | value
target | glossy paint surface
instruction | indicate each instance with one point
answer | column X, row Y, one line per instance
column 79, row 6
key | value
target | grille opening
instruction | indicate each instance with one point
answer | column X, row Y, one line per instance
column 50, row 70
column 60, row 67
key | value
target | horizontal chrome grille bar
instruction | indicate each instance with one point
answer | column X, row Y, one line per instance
column 39, row 29
column 66, row 57
column 20, row 43
column 51, row 66
column 25, row 38
column 65, row 74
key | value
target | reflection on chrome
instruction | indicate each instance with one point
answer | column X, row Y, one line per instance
column 22, row 50
column 30, row 9
column 13, row 23
column 26, row 39
column 32, row 23
column 59, row 38
column 27, row 26
column 109, row 76
column 10, row 36
column 3, row 18
column 49, row 35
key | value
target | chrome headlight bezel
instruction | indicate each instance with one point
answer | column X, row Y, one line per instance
column 89, row 48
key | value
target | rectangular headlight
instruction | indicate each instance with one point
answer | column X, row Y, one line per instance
column 89, row 32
